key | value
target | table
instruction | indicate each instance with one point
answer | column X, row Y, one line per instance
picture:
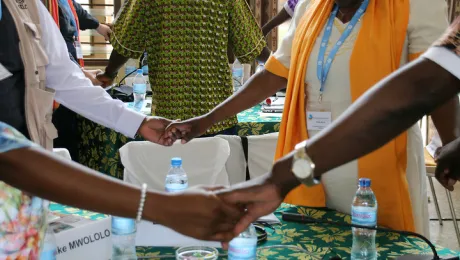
column 319, row 241
column 98, row 147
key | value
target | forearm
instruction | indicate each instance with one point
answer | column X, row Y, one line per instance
column 264, row 55
column 116, row 61
column 71, row 184
column 280, row 18
column 260, row 86
column 381, row 114
column 446, row 120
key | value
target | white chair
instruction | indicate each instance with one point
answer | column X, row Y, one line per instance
column 203, row 159
column 261, row 152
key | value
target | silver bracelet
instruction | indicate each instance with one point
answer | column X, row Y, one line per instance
column 141, row 203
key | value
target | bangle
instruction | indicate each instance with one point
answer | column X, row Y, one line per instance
column 141, row 203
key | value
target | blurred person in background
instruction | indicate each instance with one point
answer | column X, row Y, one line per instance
column 187, row 43
column 71, row 18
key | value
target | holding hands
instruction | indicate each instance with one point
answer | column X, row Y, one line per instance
column 448, row 164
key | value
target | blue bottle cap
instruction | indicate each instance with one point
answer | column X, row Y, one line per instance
column 364, row 182
column 139, row 71
column 176, row 161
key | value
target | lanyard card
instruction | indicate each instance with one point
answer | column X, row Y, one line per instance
column 319, row 115
column 78, row 50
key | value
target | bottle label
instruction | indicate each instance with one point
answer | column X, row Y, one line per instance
column 364, row 216
column 139, row 88
column 176, row 187
column 239, row 250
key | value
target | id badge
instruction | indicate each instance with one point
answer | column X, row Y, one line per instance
column 319, row 115
column 4, row 73
column 78, row 50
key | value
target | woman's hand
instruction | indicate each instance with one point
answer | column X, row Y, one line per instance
column 189, row 129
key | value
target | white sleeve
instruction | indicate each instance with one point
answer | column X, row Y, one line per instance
column 427, row 22
column 444, row 58
column 75, row 91
column 283, row 54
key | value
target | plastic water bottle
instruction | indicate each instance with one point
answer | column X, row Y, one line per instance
column 176, row 180
column 244, row 246
column 364, row 213
column 237, row 74
column 123, row 238
column 131, row 66
column 139, row 90
column 49, row 246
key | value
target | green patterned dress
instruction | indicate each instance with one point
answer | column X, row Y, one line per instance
column 186, row 42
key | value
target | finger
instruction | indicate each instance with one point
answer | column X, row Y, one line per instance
column 224, row 245
column 224, row 227
column 215, row 188
column 244, row 222
column 231, row 212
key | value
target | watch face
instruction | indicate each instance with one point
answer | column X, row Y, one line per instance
column 302, row 169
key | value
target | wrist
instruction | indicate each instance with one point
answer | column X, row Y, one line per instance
column 282, row 175
column 151, row 207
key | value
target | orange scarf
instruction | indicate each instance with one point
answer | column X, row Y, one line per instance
column 377, row 53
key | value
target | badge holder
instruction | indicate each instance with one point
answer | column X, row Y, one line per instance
column 319, row 115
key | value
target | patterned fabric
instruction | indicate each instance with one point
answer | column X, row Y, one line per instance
column 312, row 241
column 451, row 39
column 99, row 146
column 187, row 45
column 22, row 217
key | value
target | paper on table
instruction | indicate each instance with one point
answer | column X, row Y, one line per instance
column 149, row 234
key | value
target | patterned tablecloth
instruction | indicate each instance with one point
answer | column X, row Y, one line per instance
column 98, row 147
column 312, row 241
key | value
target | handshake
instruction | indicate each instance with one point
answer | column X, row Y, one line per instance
column 215, row 213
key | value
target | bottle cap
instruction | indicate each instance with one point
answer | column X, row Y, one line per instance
column 139, row 71
column 176, row 161
column 364, row 182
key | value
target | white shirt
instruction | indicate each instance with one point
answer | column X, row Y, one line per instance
column 444, row 58
column 75, row 91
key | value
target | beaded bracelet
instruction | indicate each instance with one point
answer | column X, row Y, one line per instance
column 141, row 203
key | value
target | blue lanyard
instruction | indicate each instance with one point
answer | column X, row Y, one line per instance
column 323, row 66
column 0, row 10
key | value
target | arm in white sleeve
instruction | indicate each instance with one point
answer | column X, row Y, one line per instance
column 444, row 58
column 75, row 91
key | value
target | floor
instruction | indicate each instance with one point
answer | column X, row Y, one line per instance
column 443, row 235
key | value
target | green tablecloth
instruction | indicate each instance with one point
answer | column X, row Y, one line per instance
column 98, row 147
column 318, row 241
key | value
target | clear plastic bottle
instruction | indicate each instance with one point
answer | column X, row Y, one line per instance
column 49, row 246
column 123, row 238
column 244, row 246
column 364, row 213
column 237, row 74
column 139, row 90
column 177, row 179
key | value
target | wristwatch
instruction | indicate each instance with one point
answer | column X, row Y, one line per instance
column 303, row 167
